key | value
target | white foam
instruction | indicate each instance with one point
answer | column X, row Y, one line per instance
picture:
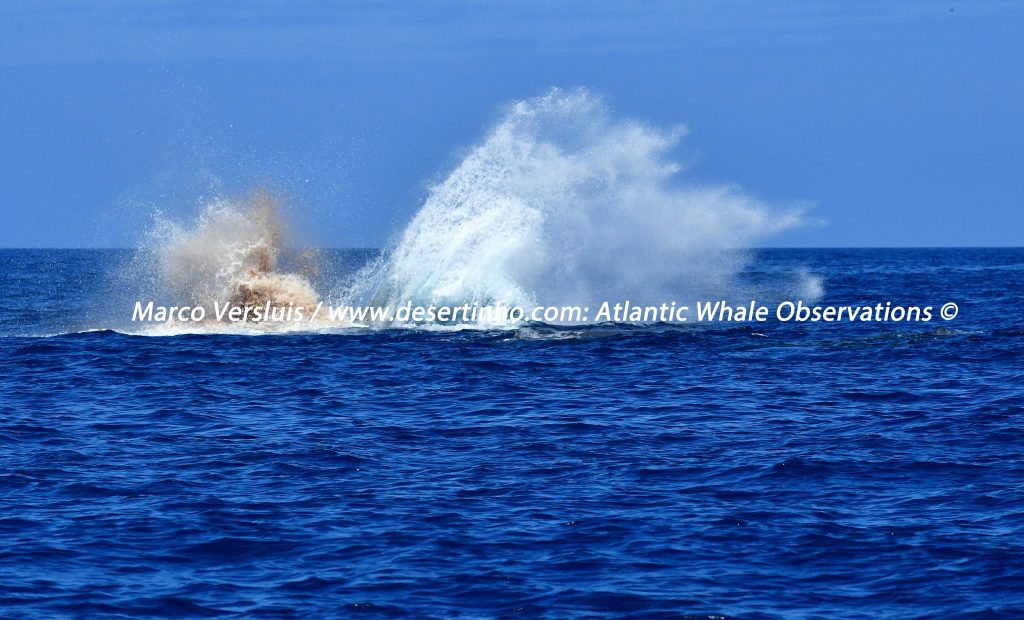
column 562, row 204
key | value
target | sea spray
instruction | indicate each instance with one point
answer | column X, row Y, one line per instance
column 231, row 255
column 562, row 203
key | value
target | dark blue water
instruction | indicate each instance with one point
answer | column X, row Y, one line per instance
column 780, row 470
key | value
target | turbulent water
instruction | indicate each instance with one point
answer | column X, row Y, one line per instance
column 854, row 470
column 512, row 468
column 562, row 203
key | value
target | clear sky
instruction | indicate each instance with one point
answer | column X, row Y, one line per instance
column 901, row 122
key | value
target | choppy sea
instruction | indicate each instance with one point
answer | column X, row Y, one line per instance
column 774, row 470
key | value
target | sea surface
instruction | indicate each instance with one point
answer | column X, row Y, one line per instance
column 775, row 470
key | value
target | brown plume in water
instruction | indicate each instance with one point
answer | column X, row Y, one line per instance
column 232, row 254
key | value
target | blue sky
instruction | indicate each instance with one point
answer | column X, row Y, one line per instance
column 901, row 122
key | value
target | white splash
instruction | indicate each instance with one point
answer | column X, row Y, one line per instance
column 561, row 204
column 564, row 204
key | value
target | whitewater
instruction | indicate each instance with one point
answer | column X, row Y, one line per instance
column 562, row 203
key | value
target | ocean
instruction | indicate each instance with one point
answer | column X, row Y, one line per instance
column 756, row 470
